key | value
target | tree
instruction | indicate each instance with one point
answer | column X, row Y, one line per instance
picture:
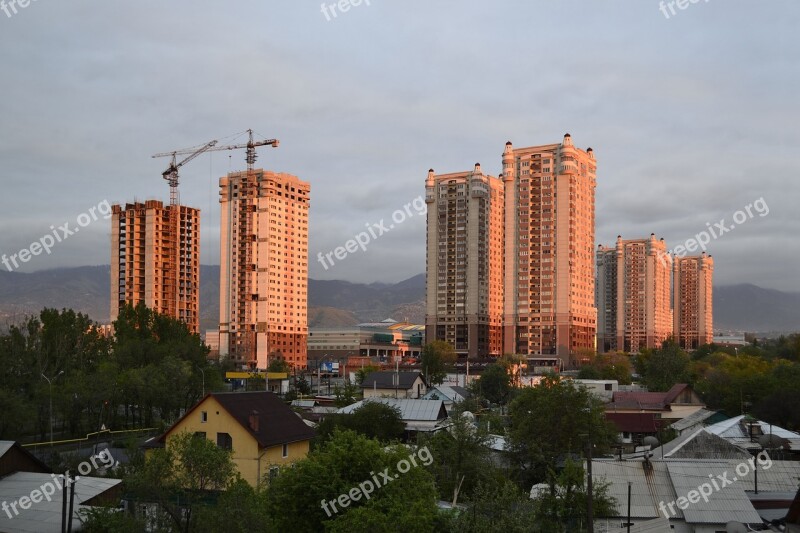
column 494, row 384
column 552, row 420
column 180, row 475
column 664, row 367
column 279, row 365
column 496, row 506
column 346, row 394
column 462, row 458
column 296, row 496
column 437, row 358
column 608, row 366
column 240, row 509
column 302, row 386
column 374, row 420
column 561, row 507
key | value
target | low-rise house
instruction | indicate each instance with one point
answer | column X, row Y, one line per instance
column 449, row 394
column 399, row 385
column 634, row 427
column 261, row 430
column 675, row 404
column 418, row 415
column 669, row 490
column 601, row 388
column 32, row 496
column 745, row 432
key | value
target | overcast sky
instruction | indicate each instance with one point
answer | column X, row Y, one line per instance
column 691, row 117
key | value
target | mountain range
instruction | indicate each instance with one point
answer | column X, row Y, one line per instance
column 332, row 303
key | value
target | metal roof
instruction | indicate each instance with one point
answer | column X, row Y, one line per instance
column 427, row 410
column 5, row 445
column 701, row 444
column 729, row 503
column 695, row 418
column 45, row 516
column 648, row 488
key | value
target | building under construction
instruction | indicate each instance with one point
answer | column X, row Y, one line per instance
column 155, row 259
column 263, row 268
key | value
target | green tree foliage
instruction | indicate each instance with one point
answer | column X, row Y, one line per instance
column 552, row 420
column 494, row 384
column 67, row 348
column 240, row 509
column 302, row 386
column 346, row 394
column 374, row 420
column 436, row 359
column 407, row 503
column 279, row 365
column 496, row 506
column 143, row 377
column 561, row 505
column 462, row 458
column 664, row 367
column 608, row 366
column 179, row 477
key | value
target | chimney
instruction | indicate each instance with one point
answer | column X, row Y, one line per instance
column 253, row 422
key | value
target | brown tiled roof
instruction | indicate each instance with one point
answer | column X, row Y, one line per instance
column 633, row 422
column 646, row 400
column 277, row 423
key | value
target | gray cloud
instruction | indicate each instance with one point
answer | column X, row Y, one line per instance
column 691, row 118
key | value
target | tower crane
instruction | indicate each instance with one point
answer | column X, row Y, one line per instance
column 171, row 174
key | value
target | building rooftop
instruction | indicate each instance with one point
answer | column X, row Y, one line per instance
column 410, row 410
column 277, row 423
column 45, row 516
column 390, row 380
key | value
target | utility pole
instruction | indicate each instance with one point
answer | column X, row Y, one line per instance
column 590, row 499
column 50, row 383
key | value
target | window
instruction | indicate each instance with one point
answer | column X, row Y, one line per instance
column 224, row 441
column 203, row 417
column 273, row 472
column 285, row 451
column 199, row 435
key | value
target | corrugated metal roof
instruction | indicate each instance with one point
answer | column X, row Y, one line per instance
column 45, row 516
column 427, row 410
column 695, row 418
column 729, row 503
column 5, row 445
column 648, row 488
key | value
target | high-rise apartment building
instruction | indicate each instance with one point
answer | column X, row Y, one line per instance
column 263, row 268
column 549, row 250
column 693, row 300
column 155, row 259
column 633, row 295
column 465, row 262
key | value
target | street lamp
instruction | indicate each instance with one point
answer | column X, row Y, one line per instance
column 50, row 383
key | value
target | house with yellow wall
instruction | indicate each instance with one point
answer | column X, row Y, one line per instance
column 260, row 429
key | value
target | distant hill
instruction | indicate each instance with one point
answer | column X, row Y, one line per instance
column 747, row 307
column 341, row 303
column 87, row 289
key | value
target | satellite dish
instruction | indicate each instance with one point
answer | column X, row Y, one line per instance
column 651, row 441
column 735, row 527
column 770, row 441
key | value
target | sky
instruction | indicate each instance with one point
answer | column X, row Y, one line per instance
column 692, row 115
